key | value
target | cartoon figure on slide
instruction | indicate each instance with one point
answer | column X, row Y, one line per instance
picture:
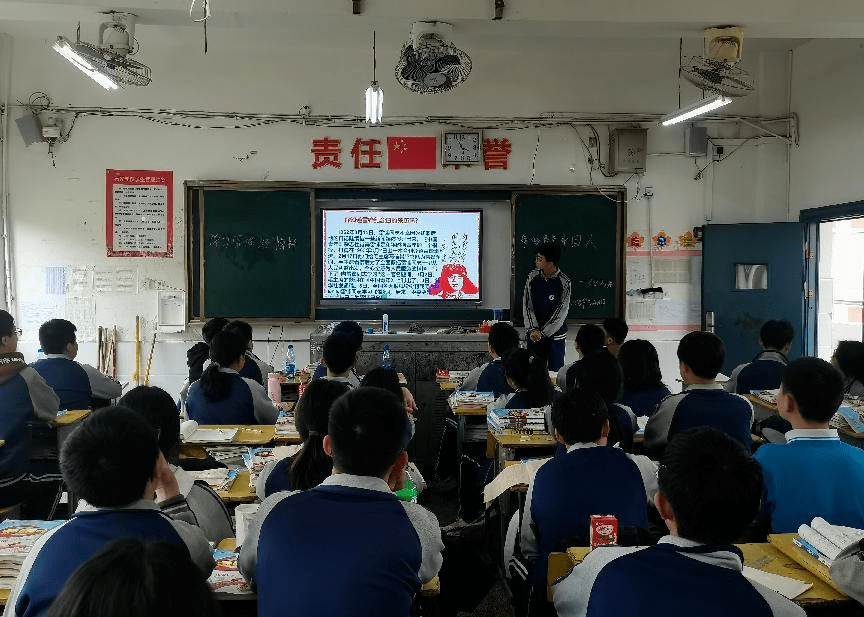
column 453, row 284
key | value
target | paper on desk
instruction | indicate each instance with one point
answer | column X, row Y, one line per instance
column 785, row 586
column 212, row 435
column 514, row 475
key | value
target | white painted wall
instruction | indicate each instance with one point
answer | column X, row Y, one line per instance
column 58, row 213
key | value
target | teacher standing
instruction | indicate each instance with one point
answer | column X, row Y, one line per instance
column 545, row 305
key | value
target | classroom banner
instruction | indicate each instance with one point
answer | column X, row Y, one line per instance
column 139, row 213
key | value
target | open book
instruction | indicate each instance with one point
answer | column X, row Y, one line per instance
column 824, row 541
column 190, row 433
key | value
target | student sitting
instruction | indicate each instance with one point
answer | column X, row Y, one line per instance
column 24, row 396
column 643, row 382
column 352, row 329
column 616, row 331
column 112, row 461
column 204, row 507
column 709, row 492
column 704, row 402
column 221, row 396
column 527, row 375
column 198, row 355
column 814, row 473
column 583, row 480
column 849, row 360
column 254, row 367
column 599, row 371
column 383, row 548
column 766, row 369
column 489, row 377
column 340, row 356
column 135, row 578
column 310, row 465
column 589, row 338
column 79, row 386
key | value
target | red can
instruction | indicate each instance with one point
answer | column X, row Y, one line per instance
column 604, row 530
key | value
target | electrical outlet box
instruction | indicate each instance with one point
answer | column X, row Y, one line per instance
column 716, row 152
column 627, row 150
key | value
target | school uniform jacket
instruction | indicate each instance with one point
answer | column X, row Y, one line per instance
column 764, row 373
column 571, row 486
column 812, row 474
column 58, row 553
column 675, row 578
column 79, row 386
column 349, row 546
column 488, row 377
column 247, row 403
column 546, row 303
column 700, row 405
column 644, row 402
column 255, row 369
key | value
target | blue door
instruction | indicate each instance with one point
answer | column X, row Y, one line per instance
column 752, row 272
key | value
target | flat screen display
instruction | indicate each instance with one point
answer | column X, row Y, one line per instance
column 400, row 256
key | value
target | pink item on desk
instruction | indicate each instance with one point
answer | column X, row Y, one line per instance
column 274, row 386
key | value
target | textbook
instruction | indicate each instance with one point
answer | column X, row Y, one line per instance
column 226, row 578
column 16, row 540
column 285, row 424
column 472, row 399
column 190, row 433
column 220, row 479
column 500, row 419
column 769, row 396
column 848, row 418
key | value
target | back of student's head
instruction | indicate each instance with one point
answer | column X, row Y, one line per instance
column 579, row 416
column 703, row 352
column 225, row 348
column 352, row 329
column 712, row 484
column 212, row 328
column 551, row 251
column 590, row 337
column 133, row 578
column 502, row 338
column 616, row 328
column 816, row 386
column 160, row 410
column 242, row 328
column 640, row 365
column 311, row 464
column 849, row 358
column 528, row 372
column 368, row 430
column 599, row 371
column 776, row 334
column 380, row 377
column 7, row 323
column 109, row 458
column 340, row 351
column 55, row 334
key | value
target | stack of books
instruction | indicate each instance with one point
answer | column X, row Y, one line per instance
column 848, row 419
column 769, row 396
column 220, row 479
column 533, row 420
column 825, row 541
column 471, row 399
column 255, row 459
column 285, row 424
column 16, row 540
column 442, row 375
column 226, row 578
column 230, row 456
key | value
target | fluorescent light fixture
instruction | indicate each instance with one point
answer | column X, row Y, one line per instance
column 696, row 109
column 63, row 47
column 374, row 103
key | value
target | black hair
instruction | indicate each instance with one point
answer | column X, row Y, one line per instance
column 703, row 352
column 381, row 377
column 160, row 410
column 212, row 328
column 599, row 371
column 528, row 371
column 579, row 416
column 311, row 464
column 136, row 579
column 816, row 386
column 712, row 484
column 55, row 334
column 849, row 357
column 109, row 458
column 7, row 323
column 240, row 327
column 776, row 334
column 368, row 430
column 352, row 329
column 590, row 337
column 616, row 328
column 225, row 348
column 640, row 365
column 339, row 352
column 502, row 338
column 551, row 251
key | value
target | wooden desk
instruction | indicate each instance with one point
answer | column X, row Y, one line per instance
column 247, row 435
column 240, row 491
column 506, row 444
column 71, row 417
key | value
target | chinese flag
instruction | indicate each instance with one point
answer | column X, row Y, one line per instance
column 411, row 152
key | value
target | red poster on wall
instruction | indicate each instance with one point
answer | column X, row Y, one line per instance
column 139, row 213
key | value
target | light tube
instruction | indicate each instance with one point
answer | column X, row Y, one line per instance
column 65, row 49
column 697, row 109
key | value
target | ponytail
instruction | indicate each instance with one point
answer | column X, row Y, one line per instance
column 311, row 465
column 225, row 348
column 528, row 372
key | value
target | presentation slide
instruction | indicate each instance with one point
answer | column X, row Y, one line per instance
column 400, row 255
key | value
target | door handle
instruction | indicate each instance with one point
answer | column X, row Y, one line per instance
column 709, row 322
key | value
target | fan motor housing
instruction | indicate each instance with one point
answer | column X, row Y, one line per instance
column 627, row 150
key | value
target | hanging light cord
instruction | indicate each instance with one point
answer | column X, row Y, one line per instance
column 374, row 63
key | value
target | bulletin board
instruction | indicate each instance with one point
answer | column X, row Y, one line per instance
column 139, row 213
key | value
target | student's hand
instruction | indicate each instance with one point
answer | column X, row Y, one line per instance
column 535, row 335
column 410, row 405
column 166, row 484
column 398, row 478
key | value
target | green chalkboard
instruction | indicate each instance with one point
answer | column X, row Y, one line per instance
column 590, row 230
column 250, row 253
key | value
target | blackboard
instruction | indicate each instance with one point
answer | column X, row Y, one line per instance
column 590, row 230
column 250, row 253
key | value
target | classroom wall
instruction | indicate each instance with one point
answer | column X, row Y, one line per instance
column 57, row 212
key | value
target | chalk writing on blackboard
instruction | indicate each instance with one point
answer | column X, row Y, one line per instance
column 592, row 282
column 583, row 303
column 275, row 242
column 583, row 241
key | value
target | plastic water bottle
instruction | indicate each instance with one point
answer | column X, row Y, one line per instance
column 386, row 358
column 290, row 362
column 385, row 323
column 40, row 355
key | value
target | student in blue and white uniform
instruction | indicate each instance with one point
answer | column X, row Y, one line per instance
column 254, row 368
column 222, row 396
column 349, row 546
column 527, row 375
column 766, row 369
column 545, row 306
column 599, row 371
column 489, row 377
column 589, row 338
column 352, row 329
column 813, row 473
column 643, row 382
column 340, row 357
column 696, row 569
column 616, row 331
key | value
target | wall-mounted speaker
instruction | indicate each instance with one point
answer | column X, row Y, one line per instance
column 30, row 128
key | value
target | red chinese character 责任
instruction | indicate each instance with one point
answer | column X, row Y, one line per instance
column 496, row 153
column 365, row 153
column 326, row 152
